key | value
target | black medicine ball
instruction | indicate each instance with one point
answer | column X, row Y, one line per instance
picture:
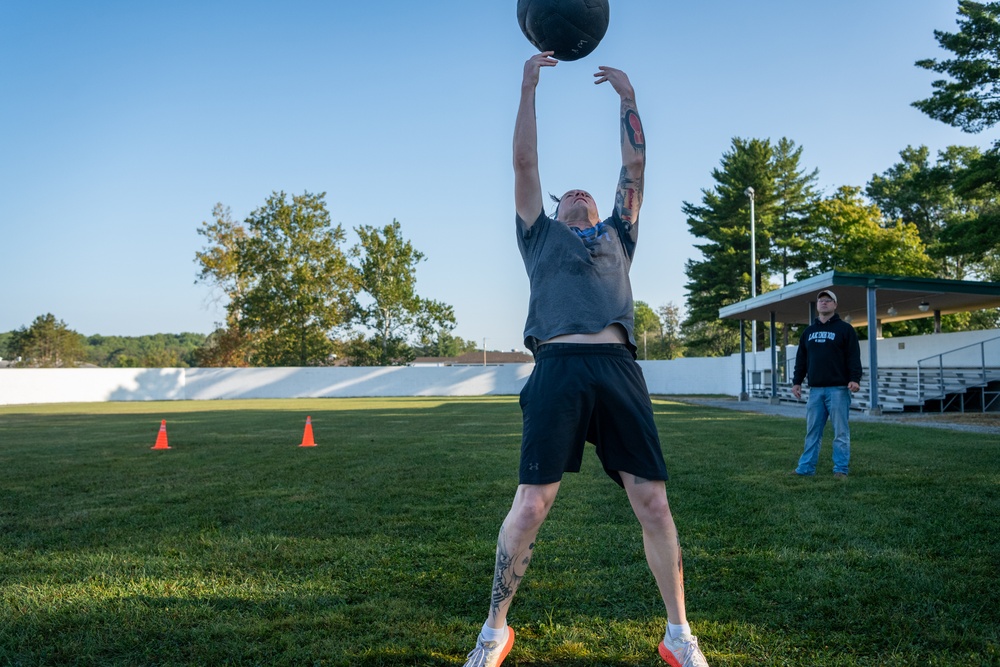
column 571, row 28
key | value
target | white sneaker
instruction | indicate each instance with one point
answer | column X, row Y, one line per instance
column 490, row 654
column 682, row 652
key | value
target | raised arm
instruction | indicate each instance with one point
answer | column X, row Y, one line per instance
column 527, row 184
column 629, row 196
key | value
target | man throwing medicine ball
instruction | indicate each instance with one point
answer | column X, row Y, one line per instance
column 586, row 384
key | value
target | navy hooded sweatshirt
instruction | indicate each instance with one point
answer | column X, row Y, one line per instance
column 829, row 354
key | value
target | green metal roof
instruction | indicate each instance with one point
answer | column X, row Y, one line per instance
column 791, row 304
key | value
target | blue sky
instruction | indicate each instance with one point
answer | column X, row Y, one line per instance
column 123, row 123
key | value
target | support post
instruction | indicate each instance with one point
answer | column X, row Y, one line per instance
column 774, row 361
column 873, row 407
column 744, row 396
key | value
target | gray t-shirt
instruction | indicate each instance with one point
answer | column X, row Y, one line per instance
column 579, row 284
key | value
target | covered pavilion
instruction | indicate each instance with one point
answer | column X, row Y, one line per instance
column 862, row 300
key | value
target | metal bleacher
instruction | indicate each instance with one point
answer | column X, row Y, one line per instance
column 909, row 390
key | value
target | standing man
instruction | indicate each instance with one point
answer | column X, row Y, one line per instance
column 586, row 384
column 830, row 356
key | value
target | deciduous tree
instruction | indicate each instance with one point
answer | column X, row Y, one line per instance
column 392, row 310
column 850, row 237
column 296, row 286
column 442, row 343
column 646, row 326
column 230, row 345
column 927, row 195
column 673, row 339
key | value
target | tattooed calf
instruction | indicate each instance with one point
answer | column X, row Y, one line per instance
column 509, row 572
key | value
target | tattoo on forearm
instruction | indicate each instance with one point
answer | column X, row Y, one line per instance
column 509, row 572
column 629, row 196
column 632, row 129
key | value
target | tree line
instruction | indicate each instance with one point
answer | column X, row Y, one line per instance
column 50, row 343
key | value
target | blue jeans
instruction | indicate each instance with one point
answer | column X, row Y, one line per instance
column 827, row 403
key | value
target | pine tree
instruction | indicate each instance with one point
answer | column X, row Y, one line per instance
column 783, row 194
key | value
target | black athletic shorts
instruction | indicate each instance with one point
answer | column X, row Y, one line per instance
column 593, row 393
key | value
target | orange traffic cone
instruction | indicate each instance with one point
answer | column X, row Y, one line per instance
column 307, row 437
column 161, row 438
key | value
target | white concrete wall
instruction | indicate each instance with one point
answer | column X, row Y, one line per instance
column 88, row 385
column 699, row 375
column 83, row 385
column 679, row 376
column 226, row 383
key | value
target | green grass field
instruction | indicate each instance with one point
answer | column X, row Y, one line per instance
column 237, row 547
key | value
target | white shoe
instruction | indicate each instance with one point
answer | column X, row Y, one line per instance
column 490, row 654
column 682, row 652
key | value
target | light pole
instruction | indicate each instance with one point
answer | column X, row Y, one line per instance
column 753, row 266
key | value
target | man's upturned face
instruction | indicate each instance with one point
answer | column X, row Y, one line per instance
column 825, row 306
column 576, row 206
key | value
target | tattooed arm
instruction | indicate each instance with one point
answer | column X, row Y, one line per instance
column 629, row 196
column 527, row 184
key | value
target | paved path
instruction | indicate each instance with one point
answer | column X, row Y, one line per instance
column 970, row 422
